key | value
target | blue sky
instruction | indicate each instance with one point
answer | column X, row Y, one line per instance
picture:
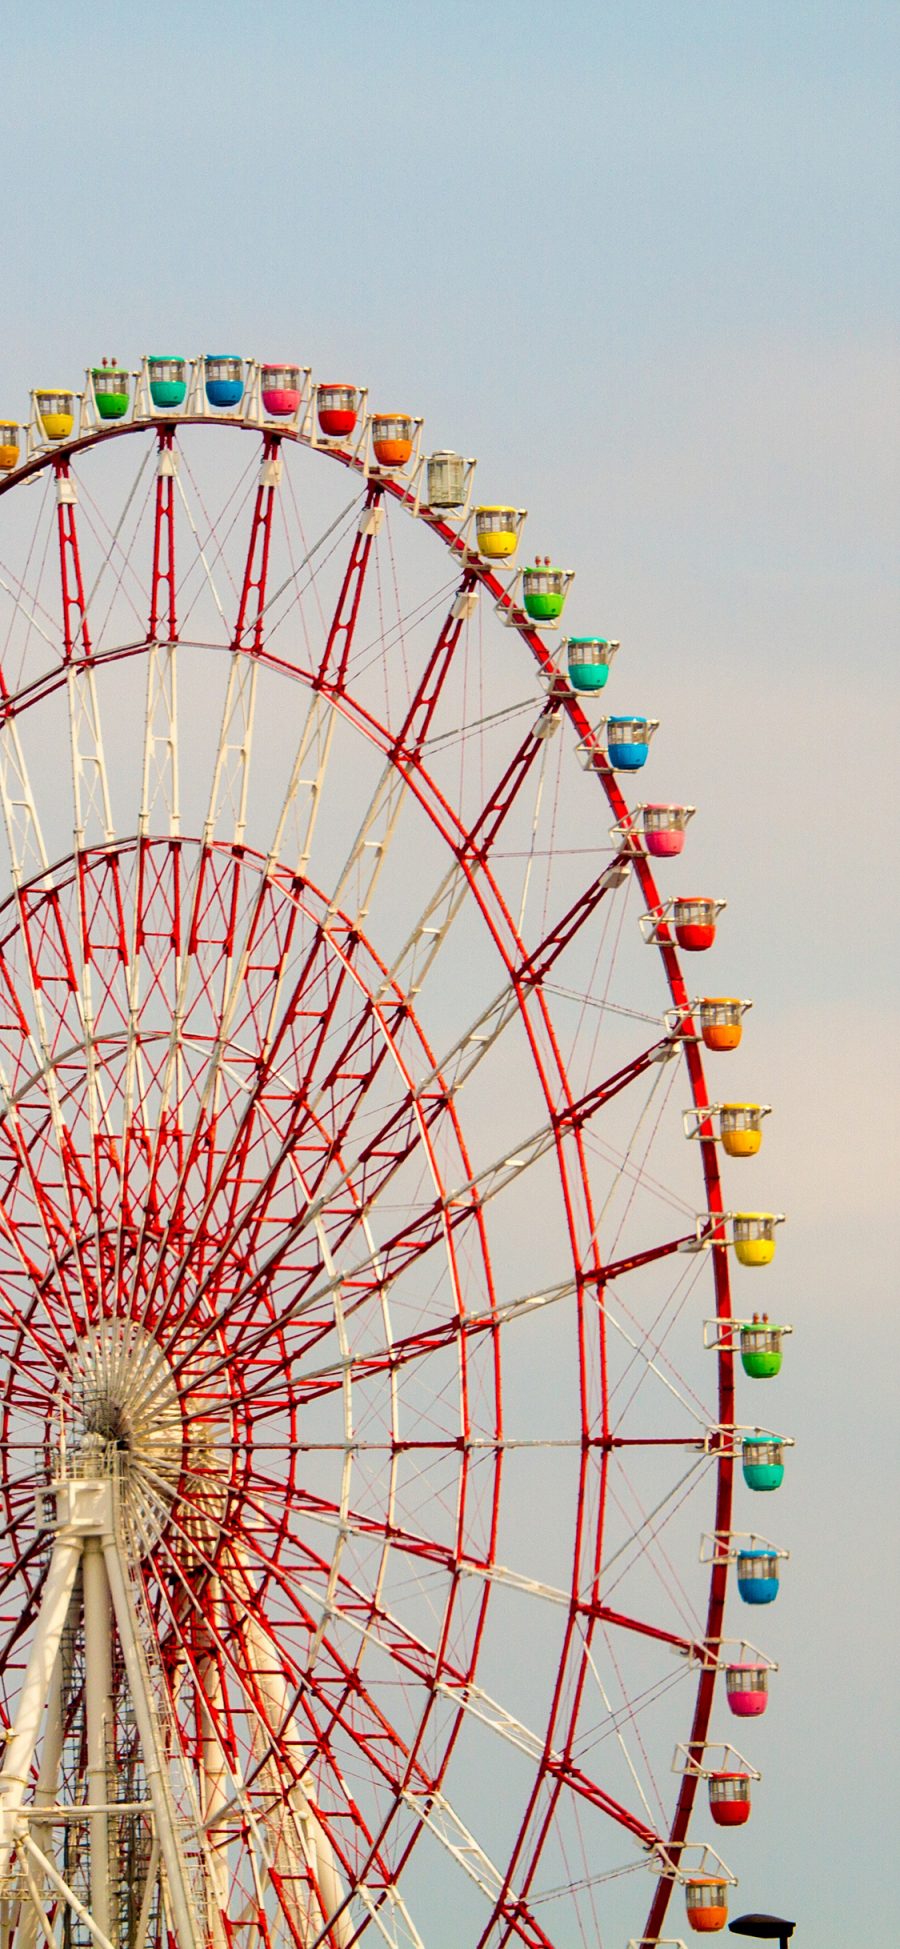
column 642, row 260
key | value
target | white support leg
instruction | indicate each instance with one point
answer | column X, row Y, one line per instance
column 213, row 1777
column 36, row 1689
column 32, row 1913
column 186, row 1922
column 98, row 1702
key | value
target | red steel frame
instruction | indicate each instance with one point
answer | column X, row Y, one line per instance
column 187, row 1222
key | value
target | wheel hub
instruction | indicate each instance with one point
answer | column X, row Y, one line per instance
column 124, row 1396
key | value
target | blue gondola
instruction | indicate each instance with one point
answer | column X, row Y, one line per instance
column 224, row 376
column 757, row 1576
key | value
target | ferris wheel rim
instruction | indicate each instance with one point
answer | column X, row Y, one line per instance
column 485, row 577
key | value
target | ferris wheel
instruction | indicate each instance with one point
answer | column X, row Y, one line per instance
column 371, row 1393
